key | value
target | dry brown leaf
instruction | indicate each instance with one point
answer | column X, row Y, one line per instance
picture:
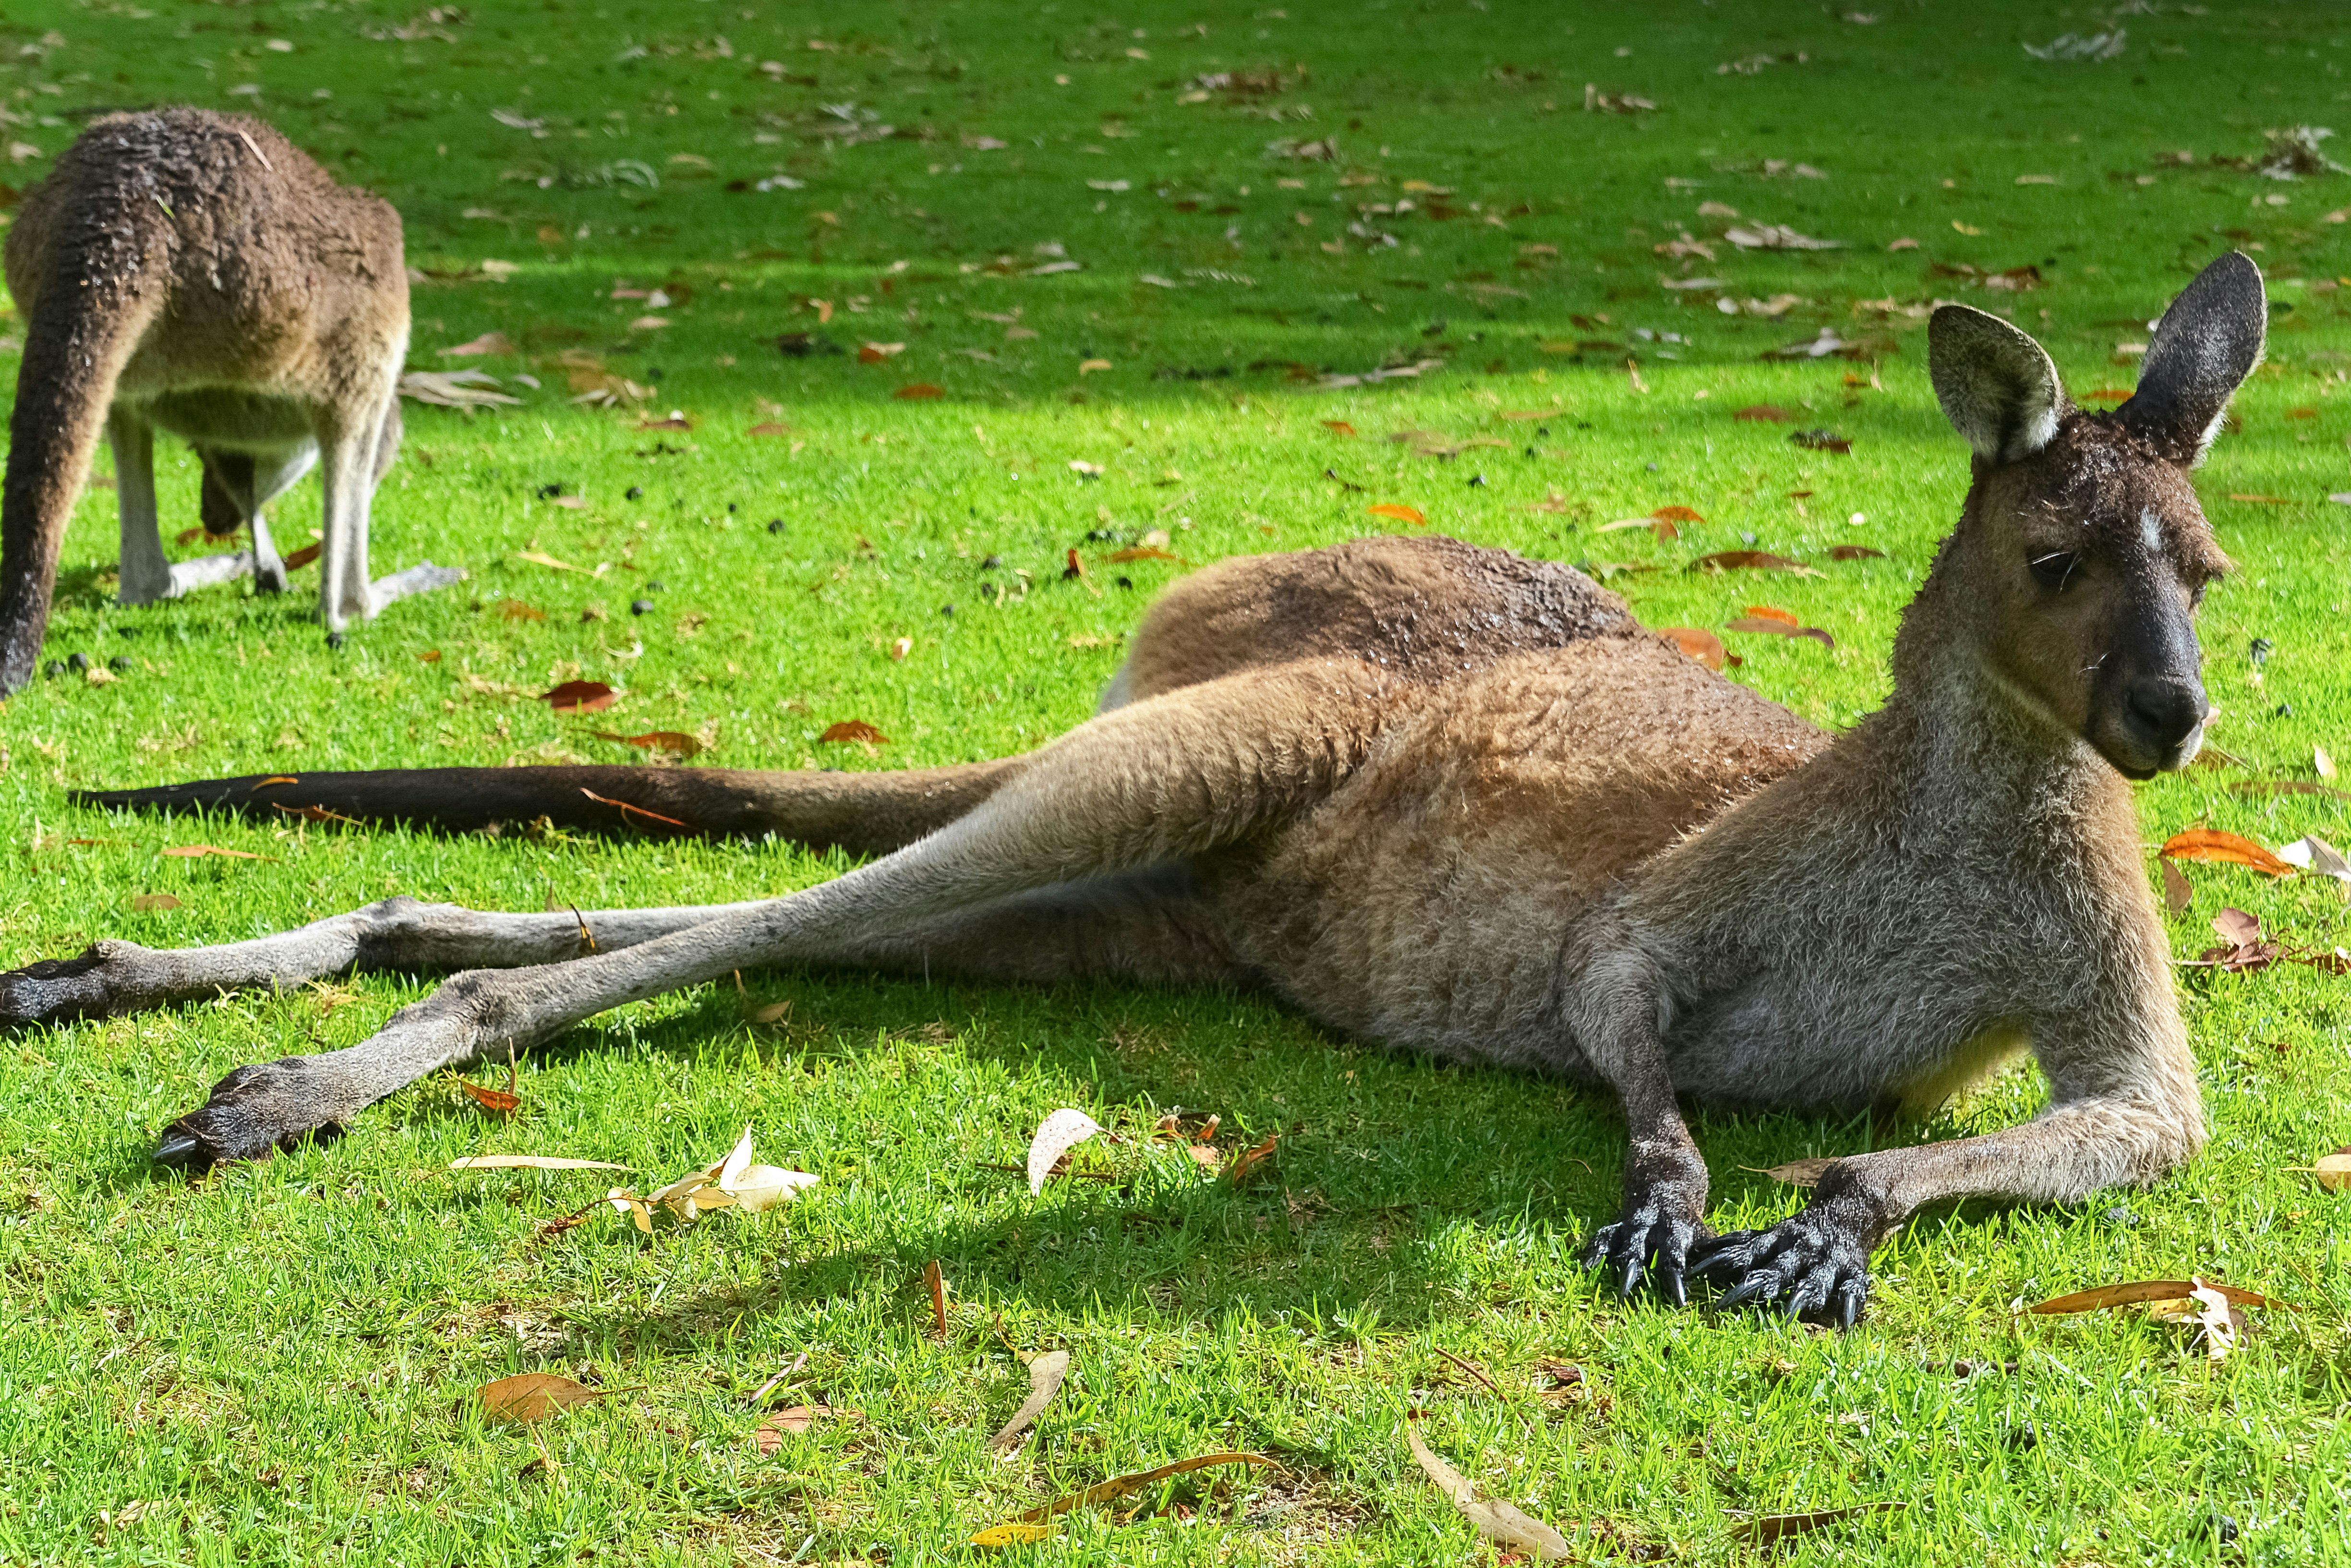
column 935, row 1280
column 1056, row 1135
column 1766, row 412
column 295, row 560
column 1034, row 1525
column 1045, row 1375
column 581, row 696
column 853, row 729
column 1398, row 511
column 1249, row 1160
column 2333, row 1171
column 1676, row 515
column 770, row 428
column 488, row 343
column 1774, row 624
column 1749, row 560
column 921, row 391
column 1854, row 552
column 675, row 743
column 2135, row 1291
column 154, row 903
column 2213, row 847
column 516, row 609
column 532, row 1396
column 531, row 1163
column 1774, row 1526
column 197, row 851
column 1806, row 1172
column 1498, row 1521
column 1338, row 427
column 2177, row 893
column 796, row 1420
column 1142, row 552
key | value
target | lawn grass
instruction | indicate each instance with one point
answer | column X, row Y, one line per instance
column 271, row 1365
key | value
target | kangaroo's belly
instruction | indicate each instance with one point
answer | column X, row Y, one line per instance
column 223, row 416
column 1428, row 902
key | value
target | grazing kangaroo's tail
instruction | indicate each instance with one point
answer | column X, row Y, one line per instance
column 865, row 813
column 98, row 295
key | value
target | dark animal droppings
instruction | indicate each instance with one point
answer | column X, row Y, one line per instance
column 640, row 606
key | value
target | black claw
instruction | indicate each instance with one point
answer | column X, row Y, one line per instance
column 1760, row 1285
column 1850, row 1296
column 177, row 1148
column 1669, row 1285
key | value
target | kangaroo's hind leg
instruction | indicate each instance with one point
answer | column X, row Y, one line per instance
column 143, row 574
column 1163, row 780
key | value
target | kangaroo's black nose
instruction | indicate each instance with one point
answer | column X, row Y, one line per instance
column 2164, row 710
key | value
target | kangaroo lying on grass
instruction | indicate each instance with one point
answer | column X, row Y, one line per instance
column 1457, row 802
column 197, row 274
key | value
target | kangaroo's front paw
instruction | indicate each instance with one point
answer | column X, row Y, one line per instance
column 252, row 1112
column 1662, row 1220
column 1812, row 1265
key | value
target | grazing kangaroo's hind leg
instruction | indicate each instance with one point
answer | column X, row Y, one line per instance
column 1157, row 782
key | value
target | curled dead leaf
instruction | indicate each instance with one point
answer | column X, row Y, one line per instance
column 1248, row 1160
column 2137, row 1290
column 490, row 1099
column 853, row 729
column 1749, row 560
column 1806, row 1172
column 1045, row 1375
column 1498, row 1521
column 670, row 742
column 154, row 903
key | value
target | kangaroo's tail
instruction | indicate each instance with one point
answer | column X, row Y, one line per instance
column 865, row 813
column 98, row 283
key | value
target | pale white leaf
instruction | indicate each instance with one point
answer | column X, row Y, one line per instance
column 759, row 1188
column 530, row 1163
column 1059, row 1134
column 1497, row 1522
column 1045, row 1375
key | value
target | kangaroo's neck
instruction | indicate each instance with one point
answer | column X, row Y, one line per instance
column 1962, row 747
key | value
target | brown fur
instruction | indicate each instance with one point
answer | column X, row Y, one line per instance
column 199, row 275
column 1453, row 801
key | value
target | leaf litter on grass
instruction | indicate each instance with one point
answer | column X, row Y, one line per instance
column 1037, row 1523
column 1045, row 1375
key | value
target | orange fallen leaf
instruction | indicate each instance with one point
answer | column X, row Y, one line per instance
column 853, row 729
column 1778, row 623
column 1398, row 511
column 770, row 428
column 301, row 558
column 1249, row 1160
column 1338, row 427
column 2213, row 847
column 1676, row 515
column 1142, row 552
column 430, row 656
column 516, row 609
column 490, row 1099
column 581, row 696
column 918, row 392
column 1699, row 644
column 874, row 353
column 796, row 1420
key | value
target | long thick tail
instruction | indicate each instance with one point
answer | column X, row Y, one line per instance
column 865, row 813
column 99, row 290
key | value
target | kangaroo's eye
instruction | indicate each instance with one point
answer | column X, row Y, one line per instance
column 2054, row 571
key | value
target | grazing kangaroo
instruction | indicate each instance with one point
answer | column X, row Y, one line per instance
column 1457, row 802
column 197, row 274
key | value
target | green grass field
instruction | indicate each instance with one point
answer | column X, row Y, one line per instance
column 274, row 1365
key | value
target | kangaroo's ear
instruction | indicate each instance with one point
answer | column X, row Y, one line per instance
column 1996, row 384
column 2203, row 348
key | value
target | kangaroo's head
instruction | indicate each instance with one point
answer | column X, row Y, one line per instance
column 2074, row 577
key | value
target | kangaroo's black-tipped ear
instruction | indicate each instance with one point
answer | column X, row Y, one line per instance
column 2206, row 345
column 1996, row 384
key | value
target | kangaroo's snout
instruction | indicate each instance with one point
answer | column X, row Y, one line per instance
column 2163, row 717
